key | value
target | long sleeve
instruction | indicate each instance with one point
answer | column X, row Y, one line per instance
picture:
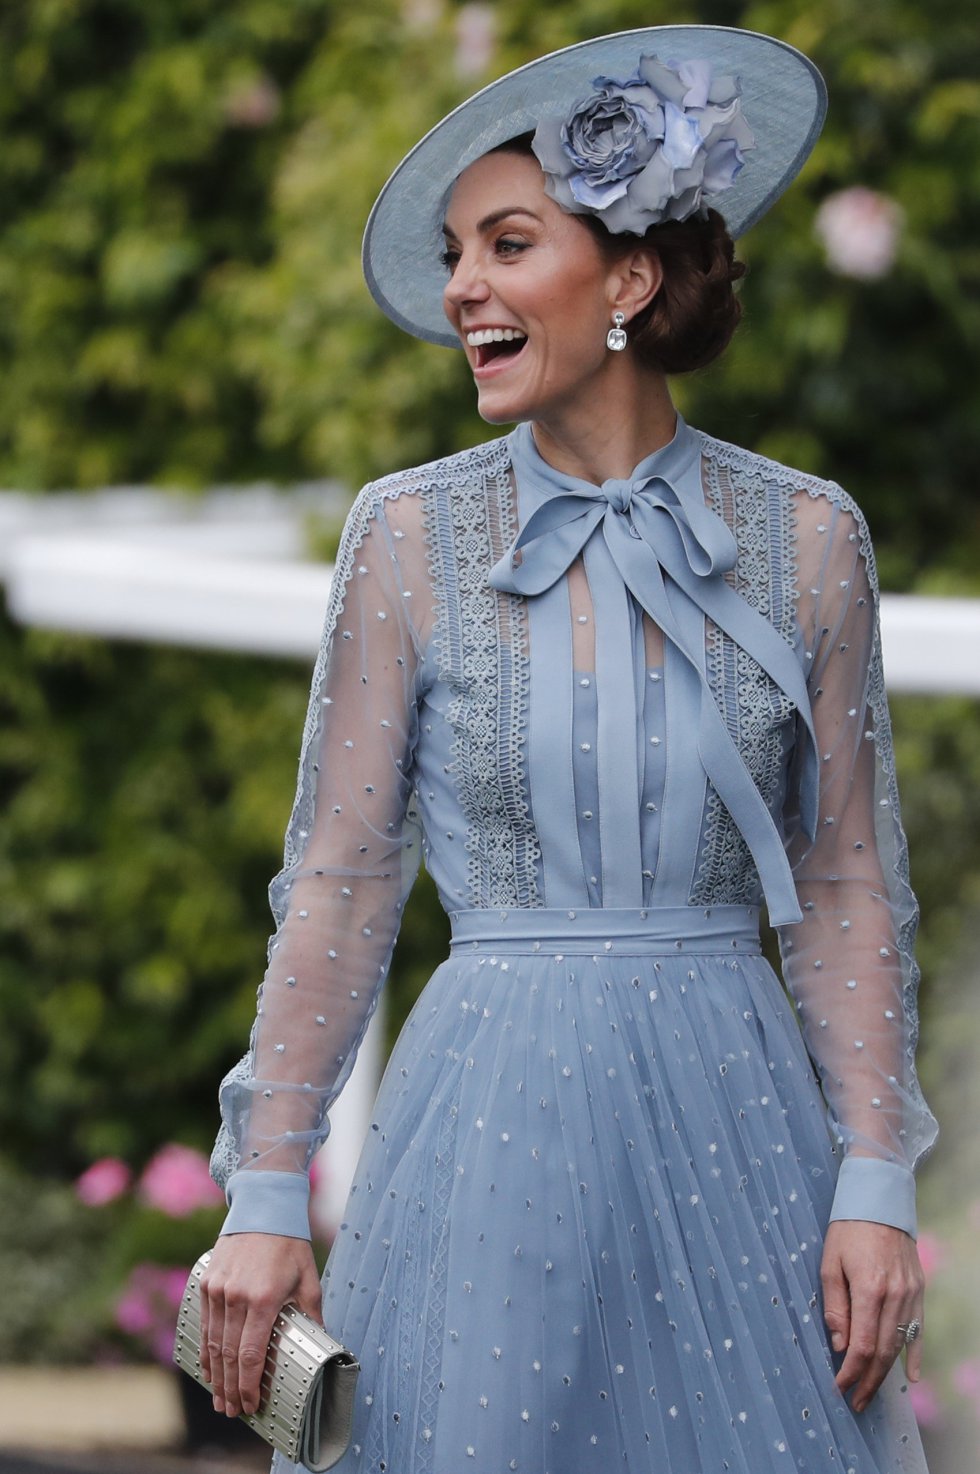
column 849, row 965
column 351, row 855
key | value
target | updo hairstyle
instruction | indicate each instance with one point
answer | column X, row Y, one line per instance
column 693, row 316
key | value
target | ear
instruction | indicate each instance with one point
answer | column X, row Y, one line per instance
column 636, row 280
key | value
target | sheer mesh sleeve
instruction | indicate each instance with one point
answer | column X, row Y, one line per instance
column 849, row 965
column 351, row 854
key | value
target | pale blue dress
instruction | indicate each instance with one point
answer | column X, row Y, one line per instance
column 585, row 1230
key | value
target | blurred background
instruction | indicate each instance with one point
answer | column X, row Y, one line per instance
column 193, row 384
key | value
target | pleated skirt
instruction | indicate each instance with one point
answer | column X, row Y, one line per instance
column 585, row 1229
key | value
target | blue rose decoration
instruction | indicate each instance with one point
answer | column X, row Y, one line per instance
column 656, row 147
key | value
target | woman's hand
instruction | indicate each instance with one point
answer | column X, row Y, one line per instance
column 249, row 1278
column 872, row 1283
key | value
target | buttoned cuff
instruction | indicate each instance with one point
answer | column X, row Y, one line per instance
column 268, row 1202
column 876, row 1191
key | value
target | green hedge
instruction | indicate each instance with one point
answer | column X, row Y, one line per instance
column 183, row 186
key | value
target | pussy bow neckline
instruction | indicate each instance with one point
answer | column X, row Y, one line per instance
column 672, row 553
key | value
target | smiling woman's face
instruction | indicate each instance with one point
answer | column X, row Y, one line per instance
column 529, row 293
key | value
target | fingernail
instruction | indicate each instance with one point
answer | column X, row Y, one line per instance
column 837, row 1341
column 219, row 1406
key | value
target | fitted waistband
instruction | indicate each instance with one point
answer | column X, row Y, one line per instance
column 653, row 930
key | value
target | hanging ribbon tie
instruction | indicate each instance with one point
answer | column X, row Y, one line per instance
column 672, row 553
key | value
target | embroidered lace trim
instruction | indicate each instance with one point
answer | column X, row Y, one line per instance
column 481, row 639
column 759, row 513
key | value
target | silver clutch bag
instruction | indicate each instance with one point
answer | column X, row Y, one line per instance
column 307, row 1404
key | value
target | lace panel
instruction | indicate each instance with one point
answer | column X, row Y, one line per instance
column 481, row 640
column 759, row 513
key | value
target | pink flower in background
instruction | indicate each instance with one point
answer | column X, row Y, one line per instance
column 859, row 230
column 925, row 1403
column 966, row 1378
column 254, row 104
column 421, row 15
column 476, row 35
column 134, row 1308
column 147, row 1307
column 105, row 1180
column 177, row 1182
column 173, row 1284
column 932, row 1253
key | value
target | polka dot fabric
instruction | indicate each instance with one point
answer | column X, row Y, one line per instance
column 586, row 1225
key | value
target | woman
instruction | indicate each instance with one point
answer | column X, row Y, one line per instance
column 619, row 683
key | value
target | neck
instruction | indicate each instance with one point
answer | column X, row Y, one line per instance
column 608, row 437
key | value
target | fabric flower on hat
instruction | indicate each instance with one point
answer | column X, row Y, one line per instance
column 655, row 147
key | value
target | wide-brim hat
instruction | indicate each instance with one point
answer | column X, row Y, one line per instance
column 783, row 99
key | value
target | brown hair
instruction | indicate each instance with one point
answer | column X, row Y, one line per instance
column 694, row 314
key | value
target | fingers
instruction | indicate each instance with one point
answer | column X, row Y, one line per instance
column 884, row 1284
column 253, row 1349
column 896, row 1310
column 212, row 1340
column 874, row 1344
column 202, row 1350
column 239, row 1330
column 309, row 1295
column 249, row 1279
column 836, row 1303
column 234, row 1321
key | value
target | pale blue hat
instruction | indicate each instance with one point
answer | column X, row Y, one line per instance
column 783, row 101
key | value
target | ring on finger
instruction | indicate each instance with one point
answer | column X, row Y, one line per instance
column 909, row 1330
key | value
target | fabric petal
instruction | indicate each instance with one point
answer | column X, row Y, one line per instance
column 548, row 150
column 682, row 137
column 696, row 75
column 665, row 82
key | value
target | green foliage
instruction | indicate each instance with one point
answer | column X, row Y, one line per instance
column 140, row 827
column 49, row 1250
column 139, row 146
column 182, row 191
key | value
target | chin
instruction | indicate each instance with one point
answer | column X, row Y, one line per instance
column 499, row 416
column 502, row 409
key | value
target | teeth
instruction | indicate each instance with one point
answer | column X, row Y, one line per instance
column 494, row 335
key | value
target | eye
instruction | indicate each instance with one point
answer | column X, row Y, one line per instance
column 507, row 246
column 449, row 258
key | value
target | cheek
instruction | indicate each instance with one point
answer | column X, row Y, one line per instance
column 448, row 305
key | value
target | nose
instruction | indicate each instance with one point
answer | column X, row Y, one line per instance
column 467, row 283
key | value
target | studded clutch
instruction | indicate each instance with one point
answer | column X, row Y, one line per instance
column 307, row 1401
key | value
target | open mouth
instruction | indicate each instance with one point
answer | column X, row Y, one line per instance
column 496, row 343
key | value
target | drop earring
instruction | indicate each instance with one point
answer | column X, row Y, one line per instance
column 616, row 336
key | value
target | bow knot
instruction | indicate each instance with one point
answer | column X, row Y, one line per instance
column 618, row 494
column 678, row 533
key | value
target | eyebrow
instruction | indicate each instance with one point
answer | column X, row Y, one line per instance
column 489, row 221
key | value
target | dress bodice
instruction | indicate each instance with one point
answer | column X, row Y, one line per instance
column 677, row 702
column 560, row 674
